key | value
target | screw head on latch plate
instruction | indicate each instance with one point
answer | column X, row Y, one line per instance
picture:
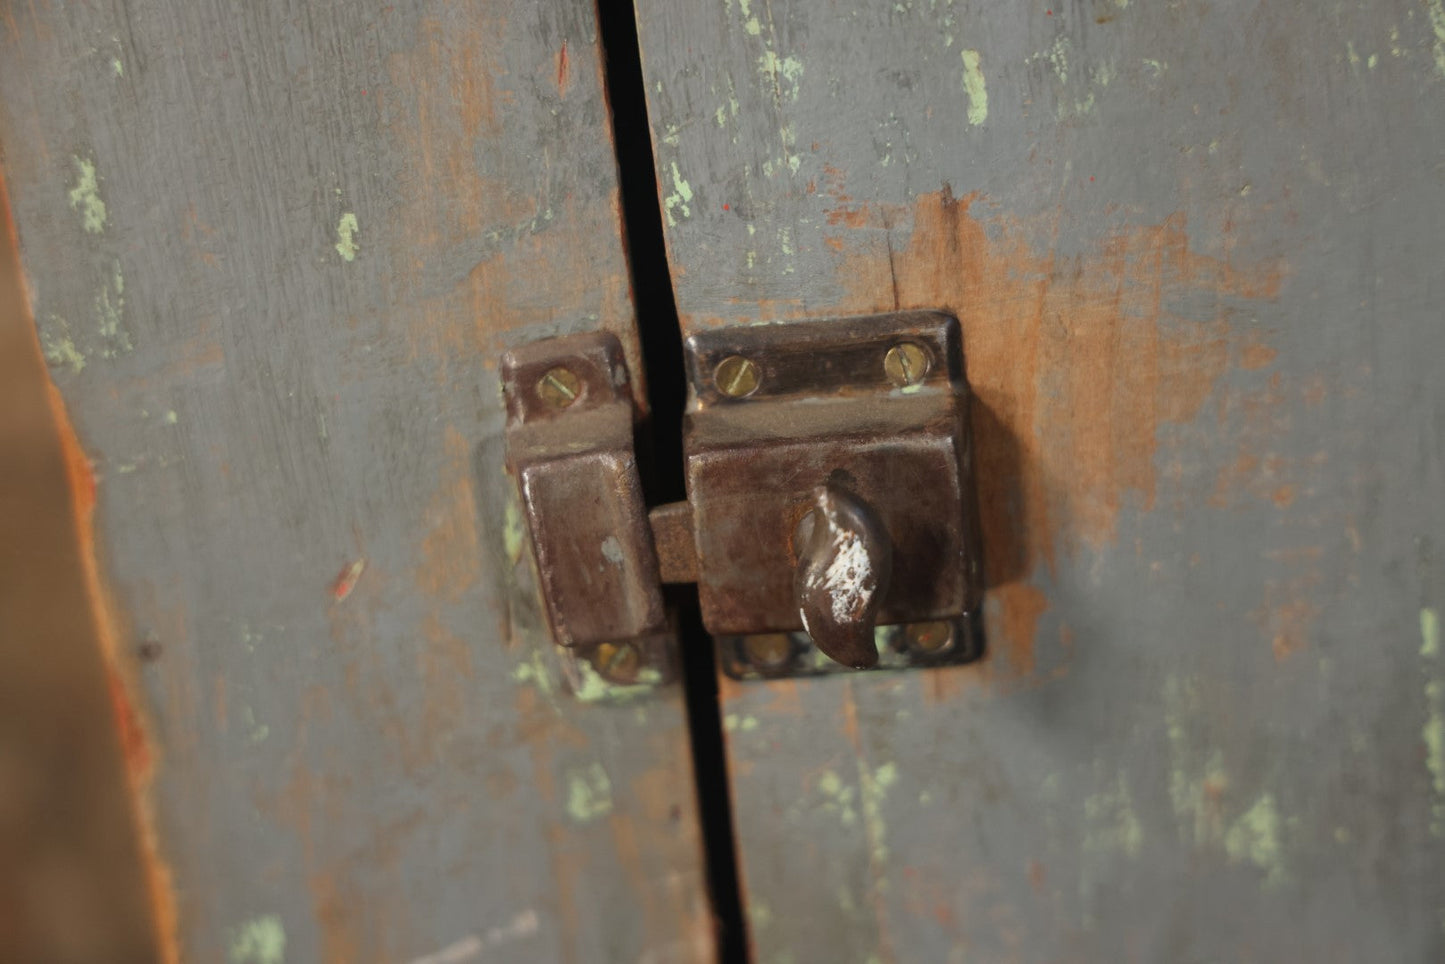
column 905, row 364
column 559, row 387
column 736, row 376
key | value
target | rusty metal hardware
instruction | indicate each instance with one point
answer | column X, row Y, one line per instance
column 844, row 563
column 570, row 417
column 830, row 491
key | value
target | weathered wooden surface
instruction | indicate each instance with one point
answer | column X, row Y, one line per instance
column 73, row 882
column 273, row 250
column 1195, row 250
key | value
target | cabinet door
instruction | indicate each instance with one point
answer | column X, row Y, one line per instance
column 1193, row 250
column 274, row 251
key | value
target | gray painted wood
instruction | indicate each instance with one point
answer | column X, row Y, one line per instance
column 274, row 250
column 1195, row 250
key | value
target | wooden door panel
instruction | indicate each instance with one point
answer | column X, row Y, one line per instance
column 274, row 251
column 1191, row 249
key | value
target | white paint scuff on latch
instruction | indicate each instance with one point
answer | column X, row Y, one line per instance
column 847, row 576
column 612, row 550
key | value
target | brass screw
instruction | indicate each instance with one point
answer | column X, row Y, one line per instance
column 559, row 387
column 769, row 650
column 905, row 364
column 930, row 638
column 619, row 662
column 736, row 376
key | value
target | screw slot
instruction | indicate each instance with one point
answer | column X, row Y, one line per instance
column 618, row 662
column 768, row 650
column 736, row 376
column 930, row 639
column 559, row 387
column 906, row 364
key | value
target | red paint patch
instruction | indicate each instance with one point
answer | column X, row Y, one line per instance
column 564, row 69
column 347, row 579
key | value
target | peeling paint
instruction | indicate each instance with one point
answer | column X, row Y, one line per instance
column 589, row 793
column 1254, row 837
column 837, row 798
column 1436, row 9
column 261, row 940
column 746, row 724
column 974, row 87
column 1433, row 732
column 679, row 200
column 58, row 348
column 1196, row 790
column 256, row 732
column 1110, row 823
column 346, row 230
column 110, row 314
column 85, row 197
column 535, row 672
column 513, row 533
column 590, row 686
column 875, row 785
column 781, row 71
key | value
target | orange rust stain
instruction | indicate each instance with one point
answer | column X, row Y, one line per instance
column 451, row 563
column 563, row 70
column 1287, row 612
column 1256, row 357
column 333, row 906
column 1037, row 876
column 137, row 747
column 446, row 119
column 1076, row 363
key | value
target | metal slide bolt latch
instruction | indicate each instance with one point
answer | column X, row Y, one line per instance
column 830, row 493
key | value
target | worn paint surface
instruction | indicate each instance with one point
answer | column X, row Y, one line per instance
column 274, row 254
column 1192, row 249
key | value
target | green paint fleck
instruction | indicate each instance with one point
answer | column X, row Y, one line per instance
column 589, row 793
column 1437, row 23
column 58, row 347
column 346, row 229
column 116, row 67
column 875, row 785
column 680, row 199
column 759, row 914
column 592, row 687
column 838, row 798
column 535, row 672
column 973, row 85
column 1196, row 786
column 261, row 940
column 1254, row 837
column 170, row 417
column 110, row 314
column 1111, row 825
column 513, row 534
column 781, row 70
column 85, row 197
column 256, row 733
column 733, row 723
column 1433, row 733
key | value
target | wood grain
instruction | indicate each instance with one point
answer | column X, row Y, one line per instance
column 1191, row 246
column 274, row 251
